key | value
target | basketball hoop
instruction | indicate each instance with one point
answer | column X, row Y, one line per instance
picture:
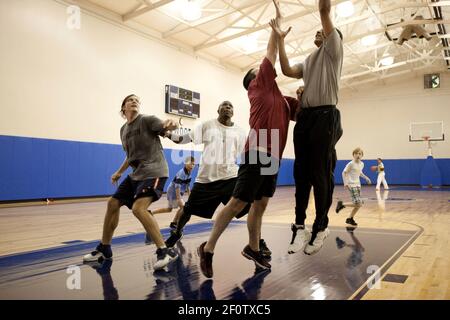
column 428, row 141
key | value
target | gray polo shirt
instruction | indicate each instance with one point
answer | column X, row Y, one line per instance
column 141, row 142
column 322, row 71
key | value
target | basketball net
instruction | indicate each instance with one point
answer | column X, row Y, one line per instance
column 430, row 148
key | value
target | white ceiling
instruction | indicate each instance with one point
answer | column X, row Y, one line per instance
column 227, row 27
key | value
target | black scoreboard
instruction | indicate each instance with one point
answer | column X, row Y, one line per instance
column 182, row 102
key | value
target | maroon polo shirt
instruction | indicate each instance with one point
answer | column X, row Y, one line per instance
column 269, row 110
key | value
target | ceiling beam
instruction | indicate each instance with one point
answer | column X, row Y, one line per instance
column 146, row 9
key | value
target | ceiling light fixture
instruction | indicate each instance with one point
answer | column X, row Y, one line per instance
column 345, row 9
column 191, row 10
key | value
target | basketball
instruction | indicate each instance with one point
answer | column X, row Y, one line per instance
column 373, row 168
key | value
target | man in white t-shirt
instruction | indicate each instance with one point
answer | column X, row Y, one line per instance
column 351, row 174
column 223, row 144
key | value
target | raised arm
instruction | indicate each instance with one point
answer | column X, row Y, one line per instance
column 325, row 11
column 272, row 46
column 288, row 70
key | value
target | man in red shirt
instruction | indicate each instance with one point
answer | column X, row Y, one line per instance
column 270, row 113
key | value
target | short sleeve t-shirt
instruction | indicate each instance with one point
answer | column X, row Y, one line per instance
column 181, row 181
column 322, row 71
column 353, row 171
column 222, row 147
column 270, row 113
column 142, row 144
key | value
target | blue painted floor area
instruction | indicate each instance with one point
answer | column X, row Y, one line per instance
column 336, row 272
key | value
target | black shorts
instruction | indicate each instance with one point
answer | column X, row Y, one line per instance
column 254, row 180
column 130, row 190
column 206, row 197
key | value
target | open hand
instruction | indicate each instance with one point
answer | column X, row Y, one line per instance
column 275, row 24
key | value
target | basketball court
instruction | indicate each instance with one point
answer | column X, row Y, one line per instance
column 68, row 64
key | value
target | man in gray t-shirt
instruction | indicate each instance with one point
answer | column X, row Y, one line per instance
column 317, row 130
column 140, row 137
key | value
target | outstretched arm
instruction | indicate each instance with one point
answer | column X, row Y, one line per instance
column 325, row 10
column 294, row 71
column 272, row 46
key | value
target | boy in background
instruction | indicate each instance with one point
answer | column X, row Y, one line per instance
column 351, row 174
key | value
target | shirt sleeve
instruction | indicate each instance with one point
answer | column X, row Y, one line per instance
column 294, row 107
column 266, row 74
column 333, row 45
column 345, row 172
column 196, row 135
column 301, row 67
column 153, row 123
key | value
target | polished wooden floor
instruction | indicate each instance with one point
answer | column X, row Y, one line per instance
column 426, row 261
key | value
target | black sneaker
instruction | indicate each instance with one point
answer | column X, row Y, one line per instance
column 257, row 257
column 173, row 225
column 101, row 253
column 340, row 243
column 339, row 206
column 174, row 237
column 163, row 257
column 351, row 221
column 205, row 261
column 265, row 251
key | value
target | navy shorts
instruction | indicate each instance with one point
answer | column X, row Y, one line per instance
column 130, row 190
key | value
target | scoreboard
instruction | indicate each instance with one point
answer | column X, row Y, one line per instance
column 182, row 102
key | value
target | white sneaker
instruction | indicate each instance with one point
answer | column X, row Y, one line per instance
column 100, row 254
column 300, row 237
column 163, row 257
column 317, row 243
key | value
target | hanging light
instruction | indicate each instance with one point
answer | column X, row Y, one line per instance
column 345, row 9
column 191, row 10
column 369, row 40
column 387, row 60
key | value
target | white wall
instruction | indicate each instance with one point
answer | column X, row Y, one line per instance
column 377, row 117
column 62, row 84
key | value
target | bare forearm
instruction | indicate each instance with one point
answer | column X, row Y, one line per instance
column 324, row 6
column 284, row 61
column 124, row 166
column 272, row 48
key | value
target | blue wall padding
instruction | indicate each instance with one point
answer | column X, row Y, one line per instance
column 35, row 168
column 431, row 175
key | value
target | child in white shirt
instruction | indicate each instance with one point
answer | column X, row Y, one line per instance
column 351, row 174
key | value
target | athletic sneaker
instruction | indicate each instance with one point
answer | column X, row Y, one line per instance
column 174, row 237
column 265, row 251
column 351, row 221
column 340, row 206
column 205, row 261
column 101, row 253
column 317, row 244
column 173, row 225
column 300, row 237
column 257, row 257
column 340, row 243
column 163, row 257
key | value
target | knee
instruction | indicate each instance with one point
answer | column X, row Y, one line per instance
column 137, row 211
column 113, row 205
column 236, row 205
